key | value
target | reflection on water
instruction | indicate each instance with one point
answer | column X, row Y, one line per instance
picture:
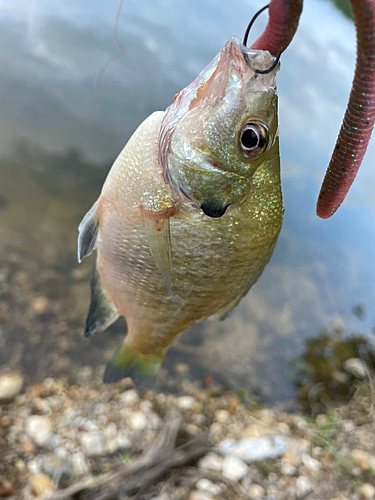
column 59, row 135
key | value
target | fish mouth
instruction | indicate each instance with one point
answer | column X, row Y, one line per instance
column 213, row 209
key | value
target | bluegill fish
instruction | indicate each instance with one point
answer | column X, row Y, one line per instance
column 190, row 212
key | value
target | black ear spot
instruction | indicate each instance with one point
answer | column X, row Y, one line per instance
column 213, row 209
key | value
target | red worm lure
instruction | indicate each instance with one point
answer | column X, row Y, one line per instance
column 359, row 118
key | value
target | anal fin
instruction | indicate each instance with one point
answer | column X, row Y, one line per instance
column 88, row 232
column 102, row 312
column 142, row 368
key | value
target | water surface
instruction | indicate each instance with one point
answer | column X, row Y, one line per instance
column 61, row 129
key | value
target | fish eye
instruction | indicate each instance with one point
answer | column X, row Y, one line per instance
column 254, row 139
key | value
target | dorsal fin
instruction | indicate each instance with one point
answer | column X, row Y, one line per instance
column 88, row 232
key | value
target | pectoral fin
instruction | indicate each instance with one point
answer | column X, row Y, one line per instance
column 159, row 239
column 102, row 312
column 88, row 232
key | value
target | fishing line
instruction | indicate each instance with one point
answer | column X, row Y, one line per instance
column 99, row 78
column 250, row 25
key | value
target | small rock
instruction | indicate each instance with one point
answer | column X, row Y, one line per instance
column 303, row 486
column 40, row 484
column 256, row 491
column 234, row 468
column 52, row 464
column 356, row 367
column 310, row 463
column 129, row 398
column 181, row 368
column 254, row 449
column 123, row 442
column 206, row 485
column 93, row 444
column 34, row 466
column 10, row 385
column 221, row 416
column 367, row 490
column 287, row 469
column 186, row 402
column 39, row 428
column 79, row 464
column 137, row 421
column 361, row 458
column 200, row 495
column 371, row 464
column 39, row 305
column 211, row 462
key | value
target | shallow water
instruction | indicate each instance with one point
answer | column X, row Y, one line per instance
column 61, row 129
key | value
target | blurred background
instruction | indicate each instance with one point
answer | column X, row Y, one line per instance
column 61, row 128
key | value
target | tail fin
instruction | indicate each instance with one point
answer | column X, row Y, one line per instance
column 142, row 368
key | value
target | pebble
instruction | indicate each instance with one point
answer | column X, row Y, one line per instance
column 123, row 442
column 311, row 463
column 208, row 486
column 356, row 367
column 93, row 444
column 367, row 490
column 10, row 385
column 211, row 462
column 39, row 428
column 78, row 464
column 39, row 305
column 52, row 464
column 221, row 416
column 137, row 421
column 371, row 464
column 40, row 484
column 234, row 468
column 186, row 402
column 254, row 449
column 200, row 495
column 303, row 486
column 287, row 469
column 256, row 491
column 361, row 458
column 129, row 398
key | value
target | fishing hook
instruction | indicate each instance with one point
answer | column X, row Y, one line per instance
column 254, row 18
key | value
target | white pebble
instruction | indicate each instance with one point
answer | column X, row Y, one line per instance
column 39, row 428
column 129, row 398
column 303, row 486
column 79, row 464
column 186, row 402
column 356, row 367
column 367, row 490
column 123, row 442
column 254, row 449
column 234, row 468
column 10, row 385
column 137, row 421
column 34, row 466
column 200, row 495
column 221, row 416
column 287, row 469
column 211, row 462
column 145, row 406
column 256, row 491
column 310, row 463
column 206, row 485
column 93, row 444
